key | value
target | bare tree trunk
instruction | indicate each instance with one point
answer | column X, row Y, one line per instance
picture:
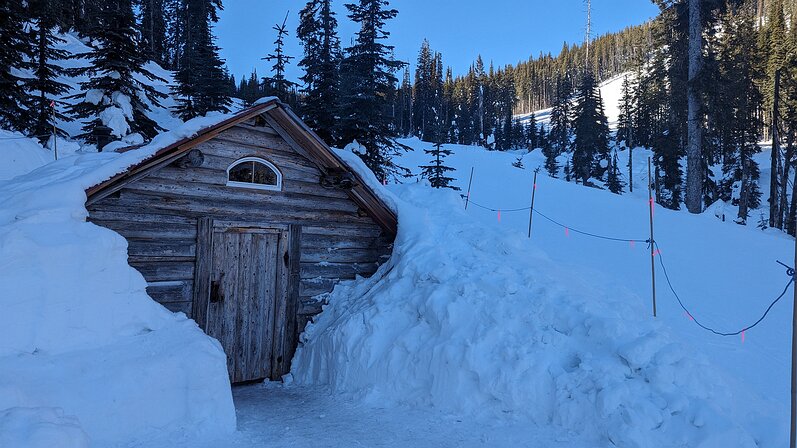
column 694, row 165
column 774, row 202
column 744, row 192
column 783, row 210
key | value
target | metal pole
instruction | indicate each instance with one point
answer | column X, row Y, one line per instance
column 793, row 432
column 470, row 182
column 652, row 241
column 533, row 193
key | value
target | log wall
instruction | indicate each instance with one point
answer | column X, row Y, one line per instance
column 158, row 214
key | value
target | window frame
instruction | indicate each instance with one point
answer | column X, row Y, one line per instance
column 252, row 185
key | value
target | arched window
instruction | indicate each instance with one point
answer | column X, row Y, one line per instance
column 252, row 172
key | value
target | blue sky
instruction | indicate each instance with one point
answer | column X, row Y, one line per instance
column 504, row 31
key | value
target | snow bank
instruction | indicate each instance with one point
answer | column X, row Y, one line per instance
column 20, row 155
column 472, row 319
column 82, row 346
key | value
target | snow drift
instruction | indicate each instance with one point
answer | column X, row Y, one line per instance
column 85, row 354
column 473, row 320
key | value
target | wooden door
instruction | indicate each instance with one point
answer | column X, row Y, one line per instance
column 247, row 294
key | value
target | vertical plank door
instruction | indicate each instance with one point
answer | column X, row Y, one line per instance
column 246, row 289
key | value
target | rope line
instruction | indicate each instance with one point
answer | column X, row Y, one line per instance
column 553, row 221
column 594, row 235
column 789, row 270
column 707, row 328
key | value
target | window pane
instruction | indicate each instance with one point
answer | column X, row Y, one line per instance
column 265, row 175
column 241, row 172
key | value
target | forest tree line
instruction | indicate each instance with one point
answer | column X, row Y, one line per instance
column 708, row 81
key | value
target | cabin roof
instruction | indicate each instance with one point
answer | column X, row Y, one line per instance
column 288, row 125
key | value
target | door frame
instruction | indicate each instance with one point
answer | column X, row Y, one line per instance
column 285, row 334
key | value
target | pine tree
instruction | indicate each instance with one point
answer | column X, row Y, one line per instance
column 591, row 130
column 368, row 80
column 44, row 87
column 14, row 52
column 113, row 95
column 277, row 85
column 322, row 55
column 201, row 87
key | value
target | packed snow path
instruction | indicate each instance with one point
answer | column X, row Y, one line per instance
column 272, row 415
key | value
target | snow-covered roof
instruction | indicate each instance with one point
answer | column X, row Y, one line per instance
column 167, row 146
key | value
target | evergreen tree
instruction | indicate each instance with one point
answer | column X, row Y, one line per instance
column 153, row 30
column 437, row 171
column 423, row 93
column 113, row 96
column 277, row 85
column 44, row 87
column 322, row 55
column 531, row 133
column 368, row 82
column 625, row 121
column 591, row 129
column 404, row 106
column 559, row 136
column 614, row 181
column 741, row 69
column 201, row 85
column 14, row 51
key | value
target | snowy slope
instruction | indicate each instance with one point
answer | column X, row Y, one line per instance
column 470, row 316
column 85, row 354
column 20, row 155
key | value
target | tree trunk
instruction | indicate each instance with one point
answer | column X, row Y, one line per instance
column 783, row 209
column 792, row 217
column 774, row 202
column 694, row 173
column 745, row 190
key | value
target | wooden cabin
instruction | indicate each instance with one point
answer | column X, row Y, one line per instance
column 242, row 226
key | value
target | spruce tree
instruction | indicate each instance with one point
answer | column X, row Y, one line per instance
column 614, row 182
column 404, row 106
column 201, row 85
column 559, row 136
column 277, row 84
column 113, row 94
column 14, row 53
column 741, row 69
column 531, row 133
column 44, row 87
column 368, row 78
column 625, row 121
column 437, row 171
column 153, row 30
column 322, row 55
column 591, row 130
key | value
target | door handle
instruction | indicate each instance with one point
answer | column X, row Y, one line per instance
column 216, row 293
